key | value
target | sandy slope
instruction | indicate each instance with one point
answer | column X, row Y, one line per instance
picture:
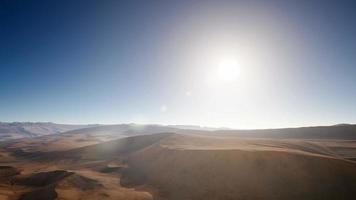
column 196, row 167
column 339, row 132
column 211, row 173
column 178, row 166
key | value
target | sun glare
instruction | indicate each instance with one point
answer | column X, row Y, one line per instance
column 228, row 70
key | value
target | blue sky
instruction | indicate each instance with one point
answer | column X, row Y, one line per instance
column 157, row 62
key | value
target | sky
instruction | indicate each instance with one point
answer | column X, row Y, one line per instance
column 237, row 64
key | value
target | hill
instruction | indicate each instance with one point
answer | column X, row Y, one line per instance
column 17, row 130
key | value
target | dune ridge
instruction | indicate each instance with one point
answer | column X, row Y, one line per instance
column 192, row 166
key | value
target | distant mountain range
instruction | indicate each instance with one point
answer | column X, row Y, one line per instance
column 17, row 130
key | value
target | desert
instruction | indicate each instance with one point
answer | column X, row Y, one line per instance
column 130, row 163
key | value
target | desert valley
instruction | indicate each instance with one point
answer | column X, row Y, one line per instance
column 129, row 161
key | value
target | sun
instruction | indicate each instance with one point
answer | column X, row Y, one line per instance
column 228, row 70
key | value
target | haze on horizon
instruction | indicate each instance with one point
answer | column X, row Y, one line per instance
column 238, row 64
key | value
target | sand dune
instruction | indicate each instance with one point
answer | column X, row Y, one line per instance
column 177, row 165
column 7, row 171
column 196, row 167
column 240, row 174
column 44, row 184
column 339, row 132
